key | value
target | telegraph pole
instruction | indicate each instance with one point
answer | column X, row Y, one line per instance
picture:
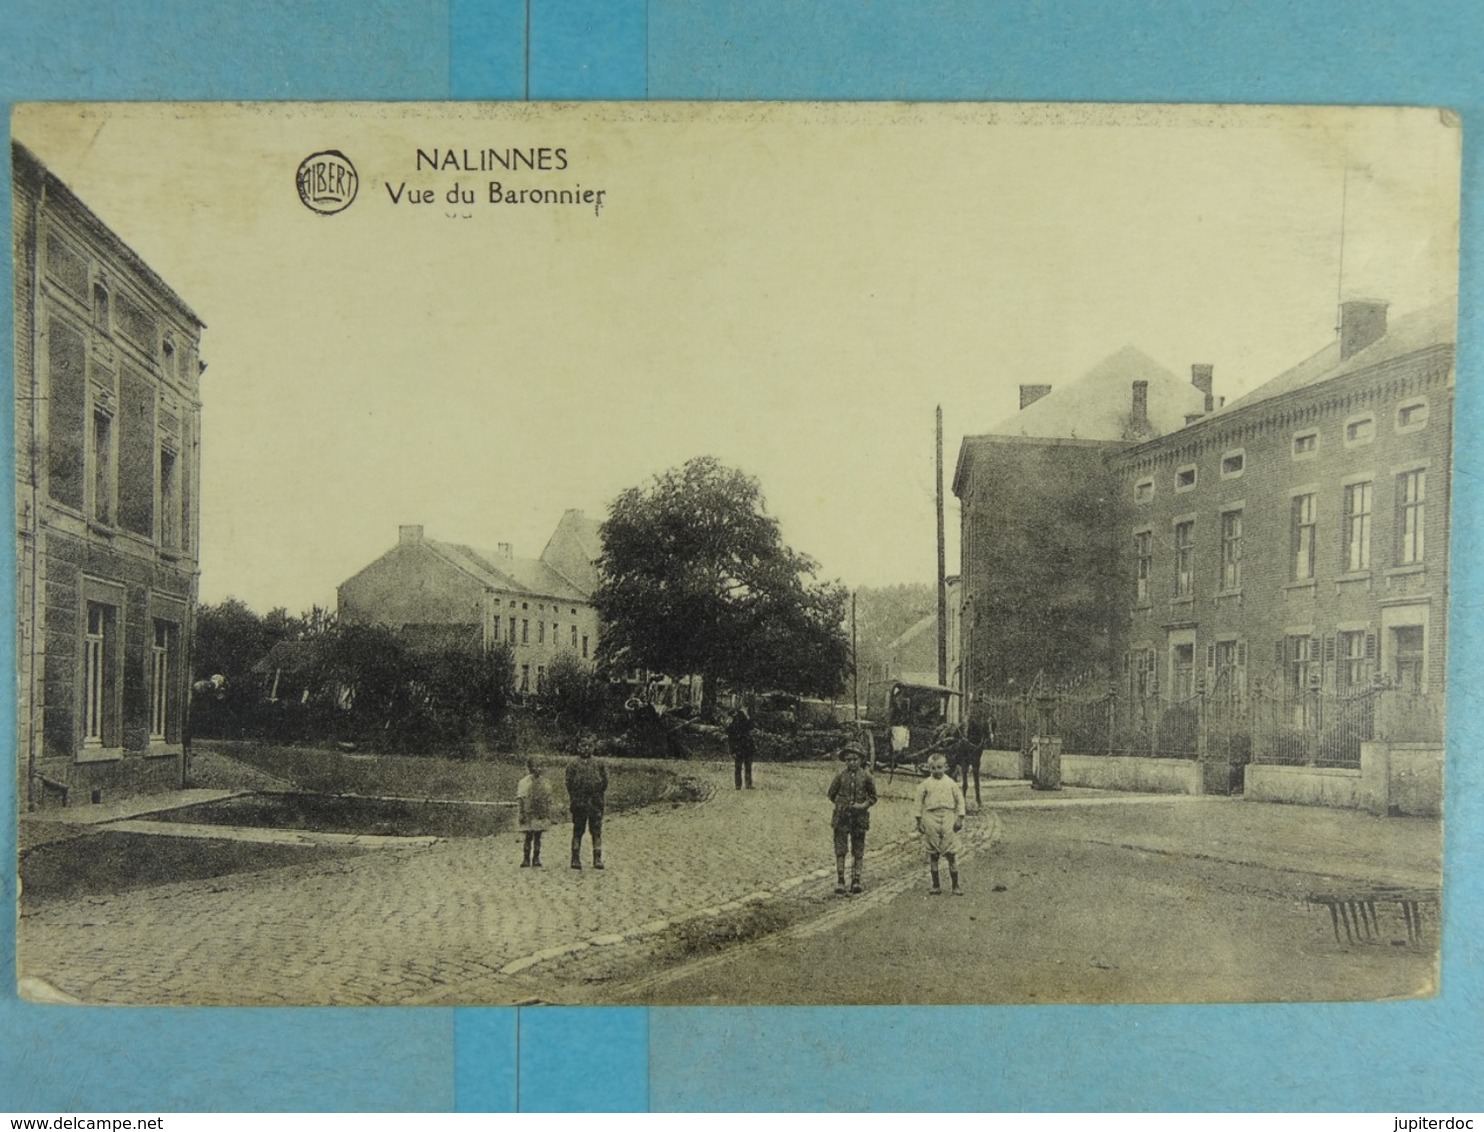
column 855, row 670
column 942, row 567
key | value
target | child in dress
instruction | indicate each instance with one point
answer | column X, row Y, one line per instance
column 534, row 798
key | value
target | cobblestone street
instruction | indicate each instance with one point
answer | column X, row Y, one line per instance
column 455, row 920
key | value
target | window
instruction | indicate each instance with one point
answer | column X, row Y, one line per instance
column 159, row 679
column 1411, row 416
column 510, row 636
column 1145, row 673
column 525, row 677
column 1143, row 565
column 1351, row 668
column 495, row 632
column 1360, row 430
column 1231, row 551
column 102, row 467
column 556, row 634
column 1228, row 658
column 66, row 268
column 540, row 678
column 1407, row 657
column 1185, row 478
column 100, row 306
column 169, row 500
column 584, row 647
column 1182, row 671
column 1411, row 500
column 1302, row 541
column 574, row 636
column 95, row 682
column 540, row 632
column 1300, row 671
column 1144, row 491
column 135, row 445
column 525, row 632
column 1232, row 464
column 66, row 414
column 1305, row 444
column 1357, row 526
column 167, row 359
column 1184, row 558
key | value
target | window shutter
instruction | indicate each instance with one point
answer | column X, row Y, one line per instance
column 1278, row 652
column 1241, row 654
column 1329, row 649
column 1210, row 656
column 1370, row 646
column 1127, row 663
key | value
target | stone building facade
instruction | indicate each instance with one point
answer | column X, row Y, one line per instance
column 434, row 590
column 107, row 436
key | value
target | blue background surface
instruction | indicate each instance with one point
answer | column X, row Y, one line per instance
column 1378, row 1056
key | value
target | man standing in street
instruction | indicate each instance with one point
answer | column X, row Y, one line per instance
column 587, row 785
column 739, row 738
column 854, row 793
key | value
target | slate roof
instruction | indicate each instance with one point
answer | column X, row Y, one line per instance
column 521, row 574
column 1098, row 405
column 1431, row 326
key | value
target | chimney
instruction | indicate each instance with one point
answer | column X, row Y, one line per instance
column 1030, row 394
column 408, row 535
column 506, row 550
column 1139, row 419
column 1362, row 321
column 1200, row 377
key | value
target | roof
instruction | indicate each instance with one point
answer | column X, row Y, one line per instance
column 24, row 160
column 1431, row 326
column 1098, row 405
column 913, row 631
column 508, row 573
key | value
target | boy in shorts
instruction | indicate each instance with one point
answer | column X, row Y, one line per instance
column 940, row 819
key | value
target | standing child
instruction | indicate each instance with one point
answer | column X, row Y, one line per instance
column 940, row 818
column 534, row 798
column 854, row 793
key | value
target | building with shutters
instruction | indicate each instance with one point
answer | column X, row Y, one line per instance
column 443, row 592
column 1294, row 543
column 107, row 412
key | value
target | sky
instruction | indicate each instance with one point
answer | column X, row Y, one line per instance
column 790, row 288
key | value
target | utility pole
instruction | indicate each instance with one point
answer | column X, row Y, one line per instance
column 855, row 671
column 942, row 567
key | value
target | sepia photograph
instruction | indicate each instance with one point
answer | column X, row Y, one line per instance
column 731, row 553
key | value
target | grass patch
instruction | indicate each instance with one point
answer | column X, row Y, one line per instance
column 708, row 935
column 333, row 813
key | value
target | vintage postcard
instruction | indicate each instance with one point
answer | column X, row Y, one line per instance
column 731, row 553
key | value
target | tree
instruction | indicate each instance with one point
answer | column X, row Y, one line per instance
column 696, row 579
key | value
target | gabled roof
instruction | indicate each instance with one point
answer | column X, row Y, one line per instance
column 1099, row 404
column 497, row 571
column 1434, row 325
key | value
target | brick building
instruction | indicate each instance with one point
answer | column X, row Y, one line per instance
column 1040, row 579
column 1296, row 541
column 433, row 590
column 107, row 415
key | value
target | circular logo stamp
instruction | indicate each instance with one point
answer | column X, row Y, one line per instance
column 327, row 182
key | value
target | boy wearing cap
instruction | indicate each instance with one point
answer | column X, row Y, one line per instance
column 940, row 817
column 854, row 793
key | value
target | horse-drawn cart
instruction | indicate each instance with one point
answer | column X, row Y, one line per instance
column 911, row 718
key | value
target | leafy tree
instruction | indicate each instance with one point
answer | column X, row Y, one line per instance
column 696, row 579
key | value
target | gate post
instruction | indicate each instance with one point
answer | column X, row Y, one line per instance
column 1046, row 763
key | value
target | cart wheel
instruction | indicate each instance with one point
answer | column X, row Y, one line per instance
column 869, row 742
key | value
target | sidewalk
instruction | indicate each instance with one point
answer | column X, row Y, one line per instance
column 459, row 920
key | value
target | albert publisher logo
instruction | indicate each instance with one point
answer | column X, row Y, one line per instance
column 327, row 182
